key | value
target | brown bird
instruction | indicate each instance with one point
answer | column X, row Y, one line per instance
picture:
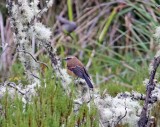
column 76, row 68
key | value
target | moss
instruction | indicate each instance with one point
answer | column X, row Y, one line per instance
column 17, row 74
column 50, row 108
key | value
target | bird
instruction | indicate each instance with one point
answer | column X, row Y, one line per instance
column 75, row 68
column 66, row 25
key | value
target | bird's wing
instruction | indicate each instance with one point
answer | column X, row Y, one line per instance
column 86, row 72
column 77, row 70
column 82, row 73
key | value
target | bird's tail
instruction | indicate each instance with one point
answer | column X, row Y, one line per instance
column 88, row 81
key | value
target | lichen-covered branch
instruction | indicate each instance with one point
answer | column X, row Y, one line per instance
column 144, row 118
column 20, row 17
column 56, row 64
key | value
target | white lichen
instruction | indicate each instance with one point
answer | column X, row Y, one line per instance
column 27, row 11
column 112, row 109
column 157, row 33
column 157, row 54
column 34, row 6
column 145, row 82
column 41, row 32
column 156, row 93
column 67, row 77
column 50, row 3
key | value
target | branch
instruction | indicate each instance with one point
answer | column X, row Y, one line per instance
column 123, row 115
column 4, row 49
column 150, row 87
column 13, row 85
column 33, row 57
column 44, row 9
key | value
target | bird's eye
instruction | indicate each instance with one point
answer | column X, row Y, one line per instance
column 69, row 58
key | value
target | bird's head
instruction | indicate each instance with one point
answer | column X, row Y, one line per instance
column 69, row 58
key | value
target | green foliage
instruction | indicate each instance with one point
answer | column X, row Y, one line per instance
column 3, row 9
column 50, row 108
column 108, row 23
column 70, row 10
column 17, row 74
column 132, row 42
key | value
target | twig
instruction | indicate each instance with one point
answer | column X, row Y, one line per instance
column 101, row 123
column 35, row 76
column 4, row 49
column 90, row 59
column 122, row 116
column 150, row 87
column 40, row 13
column 106, row 78
column 13, row 85
column 33, row 57
column 2, row 31
column 128, row 66
column 133, row 95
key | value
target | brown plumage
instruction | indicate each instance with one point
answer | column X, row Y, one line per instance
column 76, row 68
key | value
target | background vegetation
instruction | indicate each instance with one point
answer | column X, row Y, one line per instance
column 116, row 35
